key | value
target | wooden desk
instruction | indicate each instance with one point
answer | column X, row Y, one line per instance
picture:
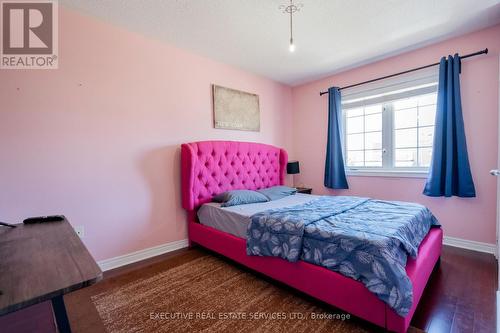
column 41, row 262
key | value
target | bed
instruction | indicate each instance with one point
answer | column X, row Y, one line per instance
column 212, row 167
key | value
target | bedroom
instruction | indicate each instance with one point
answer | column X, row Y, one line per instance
column 97, row 138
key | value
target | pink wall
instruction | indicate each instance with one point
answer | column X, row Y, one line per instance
column 98, row 139
column 472, row 219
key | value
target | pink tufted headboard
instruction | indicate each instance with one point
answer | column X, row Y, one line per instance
column 212, row 167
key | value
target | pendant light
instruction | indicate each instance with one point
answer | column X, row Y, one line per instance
column 291, row 9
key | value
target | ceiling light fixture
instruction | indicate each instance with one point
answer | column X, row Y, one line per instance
column 290, row 9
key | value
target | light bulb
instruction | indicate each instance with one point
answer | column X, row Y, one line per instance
column 292, row 47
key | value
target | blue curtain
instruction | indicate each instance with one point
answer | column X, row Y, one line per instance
column 449, row 173
column 334, row 166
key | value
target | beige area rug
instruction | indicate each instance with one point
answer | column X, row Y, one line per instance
column 208, row 294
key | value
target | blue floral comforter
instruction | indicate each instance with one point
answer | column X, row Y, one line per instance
column 364, row 239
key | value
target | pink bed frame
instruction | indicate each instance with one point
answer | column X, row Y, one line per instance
column 212, row 167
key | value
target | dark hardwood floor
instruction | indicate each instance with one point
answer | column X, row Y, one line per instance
column 460, row 297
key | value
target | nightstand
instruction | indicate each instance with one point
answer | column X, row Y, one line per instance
column 304, row 190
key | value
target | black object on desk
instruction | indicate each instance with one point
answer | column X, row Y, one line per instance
column 43, row 261
column 38, row 219
column 44, row 219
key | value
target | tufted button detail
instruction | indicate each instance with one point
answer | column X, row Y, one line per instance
column 221, row 167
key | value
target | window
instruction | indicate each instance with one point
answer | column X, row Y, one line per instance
column 364, row 136
column 390, row 130
column 414, row 130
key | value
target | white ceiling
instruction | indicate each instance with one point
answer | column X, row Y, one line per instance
column 330, row 35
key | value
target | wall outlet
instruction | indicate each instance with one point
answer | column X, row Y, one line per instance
column 80, row 231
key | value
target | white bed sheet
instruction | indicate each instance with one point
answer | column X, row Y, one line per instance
column 234, row 220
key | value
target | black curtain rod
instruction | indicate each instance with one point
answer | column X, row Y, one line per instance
column 485, row 51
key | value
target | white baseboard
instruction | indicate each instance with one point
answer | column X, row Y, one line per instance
column 470, row 245
column 136, row 256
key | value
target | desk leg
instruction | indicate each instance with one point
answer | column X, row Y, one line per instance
column 61, row 315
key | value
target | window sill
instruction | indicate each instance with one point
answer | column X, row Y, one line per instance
column 388, row 173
